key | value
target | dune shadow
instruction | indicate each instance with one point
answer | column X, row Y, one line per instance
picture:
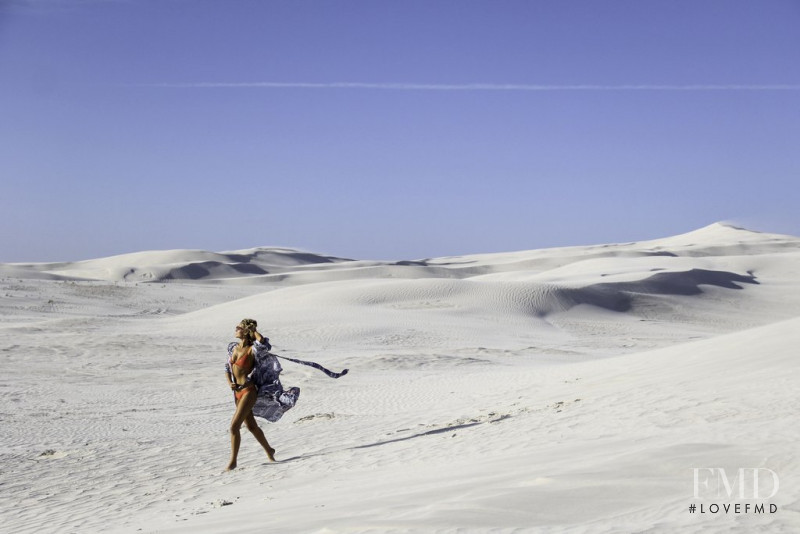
column 204, row 269
column 248, row 268
column 618, row 296
column 240, row 258
column 662, row 253
column 408, row 263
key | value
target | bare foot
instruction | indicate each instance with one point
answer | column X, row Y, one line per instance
column 231, row 466
column 271, row 454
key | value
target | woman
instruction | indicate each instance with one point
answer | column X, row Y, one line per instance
column 241, row 359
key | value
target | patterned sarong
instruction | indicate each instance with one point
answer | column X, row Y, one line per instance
column 273, row 401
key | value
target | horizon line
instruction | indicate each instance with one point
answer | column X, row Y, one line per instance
column 464, row 87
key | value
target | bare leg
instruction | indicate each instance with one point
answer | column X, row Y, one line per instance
column 244, row 406
column 253, row 427
column 236, row 440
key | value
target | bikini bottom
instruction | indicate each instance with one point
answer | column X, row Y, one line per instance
column 241, row 393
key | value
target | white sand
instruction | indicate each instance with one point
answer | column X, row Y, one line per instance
column 559, row 390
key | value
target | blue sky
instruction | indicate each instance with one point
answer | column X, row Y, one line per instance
column 389, row 129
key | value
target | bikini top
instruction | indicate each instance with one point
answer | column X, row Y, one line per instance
column 240, row 362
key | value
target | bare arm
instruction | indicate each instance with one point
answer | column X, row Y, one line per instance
column 228, row 376
column 263, row 340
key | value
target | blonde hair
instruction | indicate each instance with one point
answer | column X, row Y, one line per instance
column 249, row 330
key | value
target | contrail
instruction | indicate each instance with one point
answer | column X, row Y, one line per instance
column 463, row 87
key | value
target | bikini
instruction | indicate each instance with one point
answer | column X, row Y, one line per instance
column 241, row 390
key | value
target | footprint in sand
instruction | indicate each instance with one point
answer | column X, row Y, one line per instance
column 52, row 454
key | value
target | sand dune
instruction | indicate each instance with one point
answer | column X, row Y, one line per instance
column 162, row 265
column 282, row 264
column 558, row 390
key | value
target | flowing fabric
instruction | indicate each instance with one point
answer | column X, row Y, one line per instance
column 317, row 366
column 273, row 401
